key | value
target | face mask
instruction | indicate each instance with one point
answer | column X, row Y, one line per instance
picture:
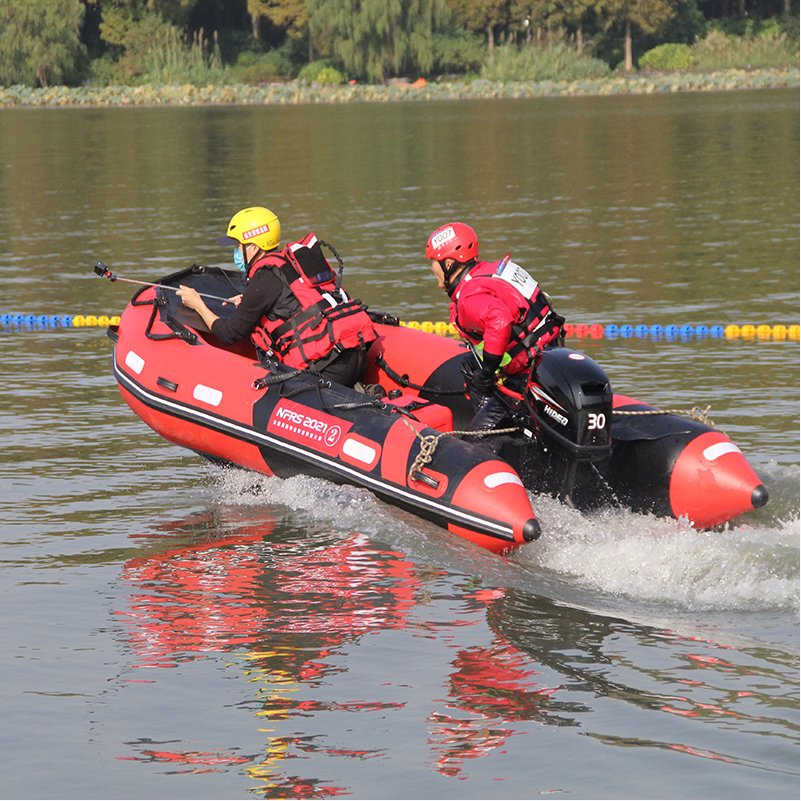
column 239, row 260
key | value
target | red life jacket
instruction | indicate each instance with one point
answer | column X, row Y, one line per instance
column 313, row 315
column 535, row 325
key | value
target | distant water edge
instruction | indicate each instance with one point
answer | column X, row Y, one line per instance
column 294, row 92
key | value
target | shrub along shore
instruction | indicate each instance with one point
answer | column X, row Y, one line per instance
column 295, row 92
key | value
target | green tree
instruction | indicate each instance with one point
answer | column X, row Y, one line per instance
column 290, row 16
column 377, row 38
column 40, row 41
column 647, row 15
column 120, row 17
column 489, row 17
column 685, row 27
column 573, row 15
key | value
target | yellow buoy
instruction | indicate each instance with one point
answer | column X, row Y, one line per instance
column 427, row 326
column 779, row 332
column 731, row 331
column 764, row 331
column 748, row 331
column 792, row 333
column 78, row 321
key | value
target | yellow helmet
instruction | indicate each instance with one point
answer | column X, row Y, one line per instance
column 255, row 224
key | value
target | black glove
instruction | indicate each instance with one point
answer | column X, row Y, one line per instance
column 483, row 382
column 484, row 379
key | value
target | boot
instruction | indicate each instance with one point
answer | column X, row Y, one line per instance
column 489, row 412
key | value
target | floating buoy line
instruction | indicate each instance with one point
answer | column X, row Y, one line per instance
column 612, row 331
column 38, row 322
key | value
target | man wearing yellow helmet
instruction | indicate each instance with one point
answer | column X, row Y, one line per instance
column 293, row 306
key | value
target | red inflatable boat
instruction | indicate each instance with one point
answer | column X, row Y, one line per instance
column 572, row 436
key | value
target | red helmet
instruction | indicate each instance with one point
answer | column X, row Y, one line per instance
column 455, row 240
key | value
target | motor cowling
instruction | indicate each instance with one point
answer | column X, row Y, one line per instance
column 569, row 398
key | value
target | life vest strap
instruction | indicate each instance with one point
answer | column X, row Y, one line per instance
column 549, row 329
column 305, row 326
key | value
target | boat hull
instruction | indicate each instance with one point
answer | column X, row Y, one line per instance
column 222, row 403
column 216, row 403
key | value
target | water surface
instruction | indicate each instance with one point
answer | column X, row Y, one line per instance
column 173, row 630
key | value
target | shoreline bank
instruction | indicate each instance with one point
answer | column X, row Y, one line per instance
column 293, row 93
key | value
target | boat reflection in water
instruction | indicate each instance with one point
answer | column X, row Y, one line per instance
column 289, row 606
column 490, row 687
column 285, row 606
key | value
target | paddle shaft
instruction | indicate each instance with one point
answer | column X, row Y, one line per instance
column 102, row 270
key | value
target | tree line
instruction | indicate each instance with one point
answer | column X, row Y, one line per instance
column 75, row 42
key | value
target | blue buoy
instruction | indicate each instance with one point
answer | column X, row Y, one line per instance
column 717, row 331
column 656, row 331
column 5, row 319
column 641, row 330
column 626, row 330
column 611, row 330
column 687, row 330
column 66, row 321
column 701, row 330
column 671, row 330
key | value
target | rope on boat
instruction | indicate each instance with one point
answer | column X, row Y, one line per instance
column 696, row 413
column 404, row 381
column 276, row 378
column 429, row 443
column 374, row 403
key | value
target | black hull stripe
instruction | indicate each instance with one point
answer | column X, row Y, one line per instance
column 250, row 434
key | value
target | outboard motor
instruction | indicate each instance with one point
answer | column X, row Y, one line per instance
column 569, row 400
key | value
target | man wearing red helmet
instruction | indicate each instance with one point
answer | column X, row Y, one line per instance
column 494, row 301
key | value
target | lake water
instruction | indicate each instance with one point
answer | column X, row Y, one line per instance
column 172, row 630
